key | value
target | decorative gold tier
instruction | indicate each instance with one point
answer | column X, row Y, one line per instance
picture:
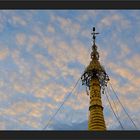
column 96, row 118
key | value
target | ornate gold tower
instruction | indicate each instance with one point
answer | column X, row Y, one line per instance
column 95, row 78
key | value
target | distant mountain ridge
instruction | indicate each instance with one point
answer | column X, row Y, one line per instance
column 84, row 126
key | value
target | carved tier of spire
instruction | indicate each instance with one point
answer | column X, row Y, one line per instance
column 96, row 79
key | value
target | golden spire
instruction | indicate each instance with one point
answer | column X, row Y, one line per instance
column 96, row 79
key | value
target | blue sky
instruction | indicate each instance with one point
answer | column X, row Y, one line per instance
column 44, row 52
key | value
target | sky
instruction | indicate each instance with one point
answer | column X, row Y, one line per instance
column 44, row 52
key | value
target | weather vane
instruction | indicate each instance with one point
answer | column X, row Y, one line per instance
column 94, row 35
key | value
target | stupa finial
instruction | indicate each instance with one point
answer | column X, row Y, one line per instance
column 94, row 35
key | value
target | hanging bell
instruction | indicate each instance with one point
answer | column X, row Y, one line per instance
column 87, row 91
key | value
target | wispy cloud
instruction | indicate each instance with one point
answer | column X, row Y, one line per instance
column 3, row 54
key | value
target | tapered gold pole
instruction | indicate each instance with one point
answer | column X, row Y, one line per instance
column 96, row 118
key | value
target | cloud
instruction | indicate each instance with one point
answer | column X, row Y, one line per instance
column 2, row 125
column 17, row 20
column 67, row 25
column 2, row 22
column 133, row 62
column 123, row 72
column 20, row 39
column 4, row 52
column 20, row 88
column 137, row 38
column 72, row 52
column 32, row 40
column 124, row 50
column 51, row 29
column 29, row 113
column 23, row 66
column 116, row 18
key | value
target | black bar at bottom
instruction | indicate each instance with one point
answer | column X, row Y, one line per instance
column 70, row 135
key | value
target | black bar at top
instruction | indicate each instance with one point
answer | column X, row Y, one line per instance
column 73, row 4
